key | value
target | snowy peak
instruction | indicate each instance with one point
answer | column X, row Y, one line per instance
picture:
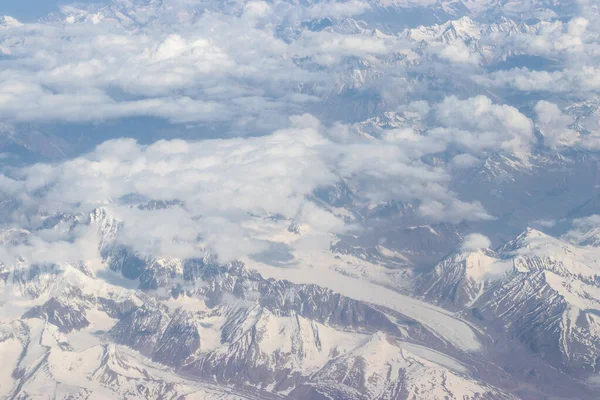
column 106, row 227
column 7, row 22
column 100, row 371
column 462, row 277
column 530, row 239
column 533, row 250
column 383, row 368
column 464, row 28
column 507, row 26
column 555, row 315
column 537, row 288
column 376, row 127
column 585, row 115
column 479, row 265
column 499, row 168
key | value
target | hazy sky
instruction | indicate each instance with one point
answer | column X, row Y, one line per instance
column 27, row 10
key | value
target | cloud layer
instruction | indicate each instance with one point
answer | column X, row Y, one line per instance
column 282, row 84
column 222, row 186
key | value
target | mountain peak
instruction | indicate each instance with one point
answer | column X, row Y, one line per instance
column 98, row 214
column 8, row 22
column 463, row 28
column 532, row 232
column 463, row 22
column 528, row 239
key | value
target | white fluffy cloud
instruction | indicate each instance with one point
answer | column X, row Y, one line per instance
column 253, row 64
column 585, row 231
column 570, row 80
column 225, row 184
column 559, row 128
column 458, row 52
column 272, row 172
column 337, row 9
column 475, row 241
column 454, row 211
column 554, row 125
column 556, row 38
column 477, row 124
column 171, row 61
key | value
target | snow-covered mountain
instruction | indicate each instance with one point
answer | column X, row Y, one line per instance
column 196, row 320
column 301, row 199
column 535, row 288
column 199, row 329
column 383, row 368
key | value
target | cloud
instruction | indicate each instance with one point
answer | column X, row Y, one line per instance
column 568, row 129
column 220, row 182
column 477, row 124
column 475, row 241
column 212, row 174
column 554, row 125
column 584, row 231
column 231, row 64
column 228, row 187
column 458, row 52
column 115, row 62
column 206, row 68
column 557, row 39
column 572, row 80
column 227, row 64
column 546, row 223
column 257, row 9
column 33, row 103
column 465, row 161
column 243, row 68
column 337, row 9
column 454, row 211
column 329, row 48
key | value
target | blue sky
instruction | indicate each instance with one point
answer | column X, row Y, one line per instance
column 27, row 10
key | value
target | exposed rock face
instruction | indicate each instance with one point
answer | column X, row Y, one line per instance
column 382, row 369
column 67, row 317
column 222, row 323
column 230, row 325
